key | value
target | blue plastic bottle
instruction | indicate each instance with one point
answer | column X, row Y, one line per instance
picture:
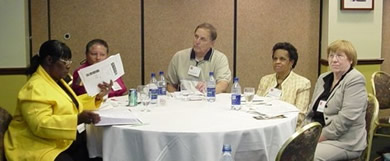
column 153, row 89
column 211, row 84
column 162, row 84
column 236, row 95
column 227, row 153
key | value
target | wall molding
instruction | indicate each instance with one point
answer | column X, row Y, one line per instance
column 359, row 62
column 13, row 71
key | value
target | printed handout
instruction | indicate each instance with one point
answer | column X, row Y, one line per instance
column 104, row 71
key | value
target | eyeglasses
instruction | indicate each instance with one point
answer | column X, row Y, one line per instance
column 66, row 62
column 338, row 56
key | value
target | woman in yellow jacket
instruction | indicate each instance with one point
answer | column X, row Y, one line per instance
column 49, row 117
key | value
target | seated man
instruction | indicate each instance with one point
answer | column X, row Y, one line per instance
column 191, row 66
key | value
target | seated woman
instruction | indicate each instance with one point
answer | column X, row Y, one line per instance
column 49, row 117
column 96, row 51
column 285, row 84
column 339, row 103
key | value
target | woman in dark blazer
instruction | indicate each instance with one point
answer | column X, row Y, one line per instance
column 339, row 104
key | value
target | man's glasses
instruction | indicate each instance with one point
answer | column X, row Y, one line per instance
column 66, row 62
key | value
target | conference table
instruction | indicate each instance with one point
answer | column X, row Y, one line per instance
column 186, row 130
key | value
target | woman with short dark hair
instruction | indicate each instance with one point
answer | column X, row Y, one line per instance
column 284, row 84
column 96, row 51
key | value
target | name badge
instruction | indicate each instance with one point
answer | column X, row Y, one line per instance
column 194, row 71
column 116, row 86
column 274, row 93
column 81, row 128
column 321, row 106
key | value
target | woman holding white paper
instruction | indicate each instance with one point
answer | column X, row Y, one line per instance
column 49, row 118
column 97, row 51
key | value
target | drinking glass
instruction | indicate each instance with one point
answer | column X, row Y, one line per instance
column 184, row 92
column 139, row 90
column 144, row 98
column 249, row 94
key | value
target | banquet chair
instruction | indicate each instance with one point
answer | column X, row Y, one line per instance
column 371, row 116
column 301, row 145
column 380, row 82
column 5, row 119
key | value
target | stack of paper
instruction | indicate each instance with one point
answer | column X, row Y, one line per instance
column 117, row 116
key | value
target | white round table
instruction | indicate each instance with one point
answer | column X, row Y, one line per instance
column 194, row 131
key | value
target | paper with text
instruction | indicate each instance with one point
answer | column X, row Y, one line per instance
column 104, row 71
column 117, row 116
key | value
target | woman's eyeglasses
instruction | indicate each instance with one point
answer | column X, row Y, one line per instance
column 66, row 62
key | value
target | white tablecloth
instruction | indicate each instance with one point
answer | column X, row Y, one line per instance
column 193, row 131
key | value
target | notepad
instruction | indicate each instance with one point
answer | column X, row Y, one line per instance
column 117, row 116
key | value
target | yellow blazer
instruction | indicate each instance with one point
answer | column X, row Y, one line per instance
column 45, row 120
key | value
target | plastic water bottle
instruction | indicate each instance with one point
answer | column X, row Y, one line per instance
column 211, row 84
column 227, row 153
column 162, row 85
column 236, row 95
column 153, row 89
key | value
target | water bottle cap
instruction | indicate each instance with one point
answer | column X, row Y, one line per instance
column 226, row 148
column 211, row 73
column 236, row 79
column 161, row 72
column 153, row 75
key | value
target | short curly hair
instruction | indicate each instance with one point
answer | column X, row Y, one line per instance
column 292, row 51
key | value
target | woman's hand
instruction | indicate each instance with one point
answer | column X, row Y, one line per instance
column 322, row 138
column 104, row 89
column 88, row 117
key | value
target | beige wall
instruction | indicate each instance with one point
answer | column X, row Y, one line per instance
column 118, row 23
column 386, row 36
column 261, row 24
column 14, row 39
column 169, row 27
column 259, row 27
column 14, row 45
column 39, row 24
column 362, row 27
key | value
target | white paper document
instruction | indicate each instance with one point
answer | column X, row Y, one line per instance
column 104, row 71
column 117, row 116
column 271, row 108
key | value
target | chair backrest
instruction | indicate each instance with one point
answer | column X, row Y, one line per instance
column 371, row 116
column 380, row 82
column 5, row 119
column 302, row 144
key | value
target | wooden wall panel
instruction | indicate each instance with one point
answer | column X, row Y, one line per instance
column 39, row 24
column 386, row 36
column 170, row 24
column 261, row 24
column 169, row 27
column 116, row 22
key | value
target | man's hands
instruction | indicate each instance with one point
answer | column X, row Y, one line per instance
column 201, row 86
